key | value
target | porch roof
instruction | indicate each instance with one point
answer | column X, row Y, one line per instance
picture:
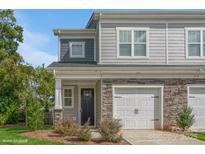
column 95, row 66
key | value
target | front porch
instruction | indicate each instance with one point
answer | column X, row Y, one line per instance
column 78, row 100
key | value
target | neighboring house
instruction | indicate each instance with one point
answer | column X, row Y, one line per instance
column 139, row 67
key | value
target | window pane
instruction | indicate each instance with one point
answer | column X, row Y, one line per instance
column 125, row 36
column 77, row 50
column 67, row 93
column 140, row 50
column 203, row 49
column 194, row 36
column 194, row 50
column 125, row 49
column 140, row 36
column 204, row 36
column 67, row 101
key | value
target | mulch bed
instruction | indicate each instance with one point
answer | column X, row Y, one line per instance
column 53, row 136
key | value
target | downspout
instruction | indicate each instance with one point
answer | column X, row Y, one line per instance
column 101, row 96
column 99, row 28
column 58, row 48
column 53, row 111
column 167, row 43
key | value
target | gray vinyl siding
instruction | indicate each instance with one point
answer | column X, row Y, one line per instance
column 65, row 50
column 156, row 44
column 177, row 44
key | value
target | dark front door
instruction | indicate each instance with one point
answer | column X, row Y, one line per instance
column 87, row 105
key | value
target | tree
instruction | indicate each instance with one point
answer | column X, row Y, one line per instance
column 41, row 100
column 11, row 75
column 24, row 89
column 44, row 82
column 11, row 34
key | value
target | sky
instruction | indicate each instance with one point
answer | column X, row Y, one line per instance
column 40, row 46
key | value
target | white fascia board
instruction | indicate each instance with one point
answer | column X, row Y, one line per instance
column 152, row 15
column 134, row 76
column 73, row 31
column 150, row 21
column 143, row 68
column 130, row 74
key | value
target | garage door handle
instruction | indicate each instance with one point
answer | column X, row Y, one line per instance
column 155, row 120
column 154, row 96
column 136, row 111
column 118, row 96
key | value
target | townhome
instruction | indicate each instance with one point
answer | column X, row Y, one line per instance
column 138, row 67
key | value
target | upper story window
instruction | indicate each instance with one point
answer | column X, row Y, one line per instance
column 68, row 97
column 77, row 49
column 195, row 42
column 132, row 42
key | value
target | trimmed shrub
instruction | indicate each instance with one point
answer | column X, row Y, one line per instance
column 185, row 119
column 67, row 128
column 84, row 132
column 109, row 130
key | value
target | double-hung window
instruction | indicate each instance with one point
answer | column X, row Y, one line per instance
column 195, row 42
column 132, row 42
column 77, row 49
column 68, row 97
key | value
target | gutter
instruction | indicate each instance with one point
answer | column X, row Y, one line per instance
column 167, row 42
column 142, row 68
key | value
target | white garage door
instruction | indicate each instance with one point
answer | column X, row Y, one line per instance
column 197, row 103
column 138, row 108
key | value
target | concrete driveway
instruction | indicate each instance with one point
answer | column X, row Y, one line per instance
column 154, row 137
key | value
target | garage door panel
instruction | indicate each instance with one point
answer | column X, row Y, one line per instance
column 138, row 108
column 197, row 103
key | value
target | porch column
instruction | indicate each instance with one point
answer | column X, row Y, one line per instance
column 58, row 95
column 58, row 110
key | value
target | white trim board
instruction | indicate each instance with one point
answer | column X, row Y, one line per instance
column 151, row 21
column 161, row 87
column 76, row 37
column 99, row 45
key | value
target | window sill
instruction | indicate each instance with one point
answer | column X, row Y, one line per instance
column 195, row 57
column 77, row 57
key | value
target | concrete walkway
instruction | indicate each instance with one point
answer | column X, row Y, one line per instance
column 154, row 137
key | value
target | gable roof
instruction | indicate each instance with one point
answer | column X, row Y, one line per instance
column 145, row 14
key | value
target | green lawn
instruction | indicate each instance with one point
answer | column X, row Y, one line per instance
column 12, row 135
column 197, row 136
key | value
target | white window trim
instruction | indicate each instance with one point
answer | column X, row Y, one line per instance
column 83, row 49
column 201, row 29
column 72, row 95
column 132, row 29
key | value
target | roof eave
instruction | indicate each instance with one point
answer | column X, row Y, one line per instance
column 147, row 14
column 73, row 31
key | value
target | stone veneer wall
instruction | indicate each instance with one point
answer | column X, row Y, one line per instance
column 175, row 95
column 58, row 116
